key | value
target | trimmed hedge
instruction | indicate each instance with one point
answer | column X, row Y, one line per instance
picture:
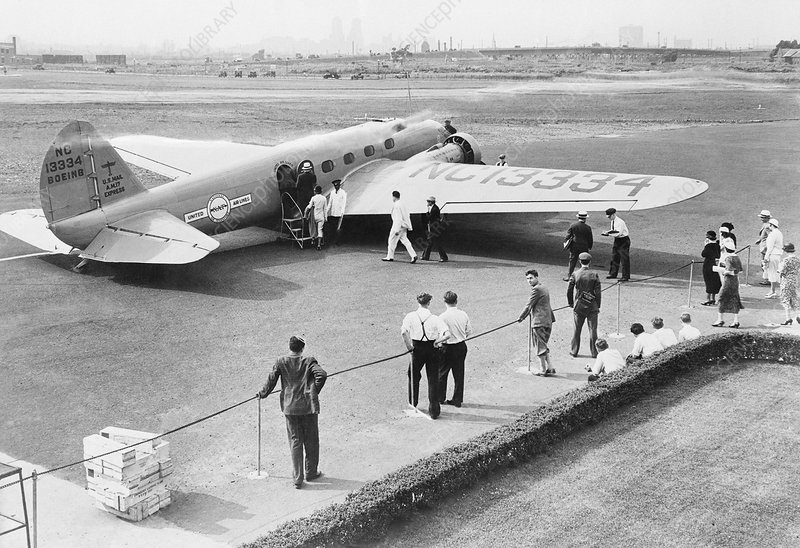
column 368, row 510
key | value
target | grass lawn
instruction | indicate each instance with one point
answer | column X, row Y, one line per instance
column 707, row 461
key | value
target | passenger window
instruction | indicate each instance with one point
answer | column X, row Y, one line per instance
column 349, row 158
column 388, row 143
column 369, row 150
column 327, row 166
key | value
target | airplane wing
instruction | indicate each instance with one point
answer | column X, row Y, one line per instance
column 469, row 188
column 176, row 158
column 151, row 237
column 30, row 226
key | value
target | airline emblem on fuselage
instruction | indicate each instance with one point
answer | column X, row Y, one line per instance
column 218, row 208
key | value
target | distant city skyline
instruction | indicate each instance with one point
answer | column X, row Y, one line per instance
column 208, row 27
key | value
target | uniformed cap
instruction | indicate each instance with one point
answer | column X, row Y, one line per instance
column 337, row 182
column 447, row 121
column 774, row 222
column 765, row 213
column 502, row 156
column 584, row 257
column 610, row 211
column 582, row 215
column 724, row 230
column 432, row 199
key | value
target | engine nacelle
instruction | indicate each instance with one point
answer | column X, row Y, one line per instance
column 459, row 148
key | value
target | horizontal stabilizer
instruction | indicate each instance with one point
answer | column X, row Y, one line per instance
column 30, row 226
column 153, row 237
column 176, row 158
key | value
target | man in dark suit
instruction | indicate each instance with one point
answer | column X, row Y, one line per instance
column 302, row 380
column 579, row 240
column 583, row 295
column 436, row 226
column 539, row 309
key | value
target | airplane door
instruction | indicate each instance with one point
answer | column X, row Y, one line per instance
column 286, row 177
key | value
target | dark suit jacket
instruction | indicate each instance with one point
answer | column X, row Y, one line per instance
column 302, row 380
column 582, row 237
column 539, row 307
column 584, row 280
column 433, row 216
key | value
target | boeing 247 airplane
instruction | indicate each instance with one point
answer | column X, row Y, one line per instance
column 94, row 205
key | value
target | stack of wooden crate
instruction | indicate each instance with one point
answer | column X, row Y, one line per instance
column 128, row 483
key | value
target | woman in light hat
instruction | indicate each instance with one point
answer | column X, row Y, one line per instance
column 790, row 284
column 772, row 257
column 729, row 300
column 710, row 256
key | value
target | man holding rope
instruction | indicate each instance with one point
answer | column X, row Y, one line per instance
column 541, row 312
column 302, row 380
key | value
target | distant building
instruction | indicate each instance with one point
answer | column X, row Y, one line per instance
column 62, row 59
column 8, row 50
column 683, row 44
column 631, row 36
column 121, row 60
column 425, row 47
column 791, row 56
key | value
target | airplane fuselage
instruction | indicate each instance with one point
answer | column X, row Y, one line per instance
column 239, row 195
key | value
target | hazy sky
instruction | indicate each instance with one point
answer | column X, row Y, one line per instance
column 132, row 23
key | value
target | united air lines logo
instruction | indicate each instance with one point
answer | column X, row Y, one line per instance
column 218, row 208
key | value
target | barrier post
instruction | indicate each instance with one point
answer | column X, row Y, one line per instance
column 34, row 479
column 691, row 279
column 530, row 342
column 747, row 268
column 259, row 437
column 617, row 335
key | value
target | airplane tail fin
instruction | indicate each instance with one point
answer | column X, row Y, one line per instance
column 81, row 172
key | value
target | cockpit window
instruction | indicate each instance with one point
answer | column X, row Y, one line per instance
column 369, row 150
column 388, row 143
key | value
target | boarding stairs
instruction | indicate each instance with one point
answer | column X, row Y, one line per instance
column 293, row 224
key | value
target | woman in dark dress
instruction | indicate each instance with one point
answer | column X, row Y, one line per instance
column 710, row 256
column 729, row 301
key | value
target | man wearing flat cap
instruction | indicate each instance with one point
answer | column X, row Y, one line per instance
column 583, row 295
column 302, row 380
column 436, row 226
column 765, row 216
column 621, row 249
column 578, row 240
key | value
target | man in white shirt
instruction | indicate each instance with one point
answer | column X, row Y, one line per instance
column 337, row 202
column 607, row 361
column 316, row 222
column 401, row 224
column 645, row 344
column 688, row 332
column 424, row 334
column 501, row 161
column 621, row 250
column 665, row 335
column 455, row 350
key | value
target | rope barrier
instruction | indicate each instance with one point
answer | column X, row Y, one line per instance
column 347, row 370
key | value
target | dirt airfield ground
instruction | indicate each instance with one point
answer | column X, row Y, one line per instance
column 154, row 348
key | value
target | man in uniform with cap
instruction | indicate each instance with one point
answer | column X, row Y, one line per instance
column 337, row 202
column 435, row 226
column 621, row 249
column 501, row 161
column 765, row 216
column 578, row 240
column 583, row 295
column 450, row 129
column 302, row 380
